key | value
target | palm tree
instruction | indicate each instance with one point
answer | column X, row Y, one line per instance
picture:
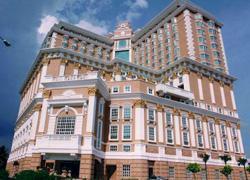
column 225, row 158
column 205, row 157
column 194, row 168
column 248, row 169
column 242, row 162
column 226, row 171
column 3, row 157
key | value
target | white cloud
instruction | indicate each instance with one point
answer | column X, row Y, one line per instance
column 98, row 29
column 46, row 23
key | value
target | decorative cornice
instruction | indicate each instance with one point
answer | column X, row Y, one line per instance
column 160, row 108
column 77, row 65
column 204, row 119
column 64, row 61
column 92, row 91
column 191, row 115
column 37, row 107
column 217, row 121
column 140, row 103
column 185, row 70
column 228, row 124
column 176, row 112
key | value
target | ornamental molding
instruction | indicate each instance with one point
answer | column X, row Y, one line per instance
column 46, row 94
column 92, row 91
column 140, row 103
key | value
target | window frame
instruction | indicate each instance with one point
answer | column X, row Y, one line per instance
column 99, row 134
column 123, row 132
column 124, row 90
column 111, row 112
column 124, row 173
column 118, row 89
column 188, row 139
column 172, row 135
column 123, row 112
column 60, row 118
column 117, row 133
column 148, row 133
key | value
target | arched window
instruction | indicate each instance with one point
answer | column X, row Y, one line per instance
column 65, row 123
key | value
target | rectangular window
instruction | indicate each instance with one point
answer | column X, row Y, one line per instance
column 185, row 138
column 100, row 109
column 127, row 89
column 113, row 148
column 114, row 132
column 65, row 125
column 200, row 140
column 236, row 146
column 99, row 135
column 223, row 130
column 198, row 125
column 126, row 170
column 126, row 148
column 211, row 127
column 122, row 55
column 184, row 122
column 126, row 132
column 150, row 91
column 127, row 112
column 234, row 132
column 171, row 172
column 170, row 139
column 115, row 89
column 122, row 44
column 168, row 118
column 213, row 142
column 151, row 133
column 151, row 114
column 114, row 113
column 225, row 145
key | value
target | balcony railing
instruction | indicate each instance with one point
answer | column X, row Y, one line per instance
column 51, row 143
column 166, row 89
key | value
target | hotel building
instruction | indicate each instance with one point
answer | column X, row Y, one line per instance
column 131, row 104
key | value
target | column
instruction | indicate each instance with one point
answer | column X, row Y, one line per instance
column 229, row 136
column 192, row 130
column 233, row 99
column 62, row 67
column 211, row 87
column 176, row 114
column 185, row 78
column 46, row 95
column 200, row 87
column 240, row 139
column 35, row 119
column 89, row 139
column 222, row 94
column 140, row 106
column 205, row 132
column 160, row 125
column 218, row 136
column 43, row 72
column 76, row 69
column 53, row 40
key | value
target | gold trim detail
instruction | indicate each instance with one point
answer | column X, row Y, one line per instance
column 191, row 115
column 140, row 103
column 46, row 94
column 92, row 91
column 160, row 108
column 176, row 112
column 37, row 107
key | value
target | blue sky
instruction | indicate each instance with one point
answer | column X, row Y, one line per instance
column 25, row 23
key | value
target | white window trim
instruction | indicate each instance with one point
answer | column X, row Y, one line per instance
column 224, row 146
column 187, row 121
column 110, row 132
column 114, row 107
column 215, row 142
column 187, row 137
column 151, row 108
column 171, row 117
column 202, row 141
column 130, row 132
column 213, row 127
column 97, row 145
column 124, row 90
column 172, row 131
column 113, row 89
column 148, row 91
column 129, row 106
column 113, row 145
column 100, row 113
column 198, row 119
column 154, row 134
column 126, row 145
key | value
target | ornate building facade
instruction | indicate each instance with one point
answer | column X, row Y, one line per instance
column 131, row 104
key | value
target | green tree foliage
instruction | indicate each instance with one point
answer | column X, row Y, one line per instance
column 4, row 174
column 34, row 175
column 194, row 168
column 225, row 158
column 226, row 171
column 243, row 162
column 205, row 157
column 3, row 157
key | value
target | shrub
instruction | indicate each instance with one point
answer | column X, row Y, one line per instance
column 34, row 175
column 4, row 174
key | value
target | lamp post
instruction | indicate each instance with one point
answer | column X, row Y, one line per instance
column 6, row 43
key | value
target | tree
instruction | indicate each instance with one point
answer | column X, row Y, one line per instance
column 243, row 162
column 194, row 168
column 226, row 171
column 248, row 169
column 225, row 158
column 205, row 157
column 3, row 157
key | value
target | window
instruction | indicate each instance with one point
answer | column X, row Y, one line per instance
column 122, row 44
column 184, row 121
column 150, row 91
column 198, row 125
column 126, row 170
column 170, row 139
column 203, row 48
column 99, row 135
column 126, row 132
column 223, row 130
column 213, row 38
column 114, row 113
column 213, row 142
column 151, row 114
column 168, row 118
column 200, row 140
column 65, row 125
column 202, row 40
column 115, row 89
column 185, row 138
column 225, row 145
column 151, row 133
column 100, row 109
column 214, row 45
column 204, row 56
column 113, row 148
column 114, row 132
column 171, row 172
column 236, row 146
column 127, row 89
column 127, row 112
column 234, row 132
column 126, row 148
column 123, row 55
column 211, row 127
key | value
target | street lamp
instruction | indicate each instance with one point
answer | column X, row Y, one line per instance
column 6, row 43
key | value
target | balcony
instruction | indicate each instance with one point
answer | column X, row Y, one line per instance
column 163, row 89
column 55, row 142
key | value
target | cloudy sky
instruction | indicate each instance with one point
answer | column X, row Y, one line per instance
column 25, row 23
